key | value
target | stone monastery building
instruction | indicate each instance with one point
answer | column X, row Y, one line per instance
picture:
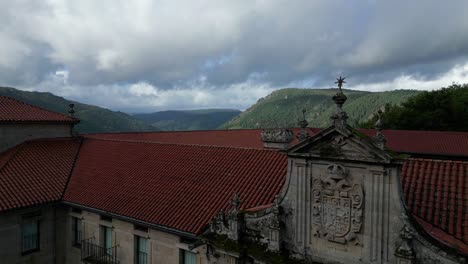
column 299, row 195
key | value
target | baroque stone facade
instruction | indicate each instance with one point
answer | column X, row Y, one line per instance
column 341, row 203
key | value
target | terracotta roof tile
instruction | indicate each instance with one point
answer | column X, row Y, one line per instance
column 177, row 186
column 36, row 172
column 243, row 138
column 183, row 186
column 405, row 141
column 425, row 142
column 12, row 110
column 435, row 194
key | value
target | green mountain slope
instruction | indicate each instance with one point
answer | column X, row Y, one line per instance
column 93, row 119
column 189, row 119
column 282, row 108
column 439, row 110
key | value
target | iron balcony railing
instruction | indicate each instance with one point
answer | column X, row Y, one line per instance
column 94, row 254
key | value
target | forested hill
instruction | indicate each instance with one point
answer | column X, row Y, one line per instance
column 282, row 108
column 93, row 119
column 189, row 119
column 441, row 110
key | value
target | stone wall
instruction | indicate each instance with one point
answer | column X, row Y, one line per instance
column 14, row 134
column 163, row 247
column 10, row 236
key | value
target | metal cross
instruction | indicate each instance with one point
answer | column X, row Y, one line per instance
column 340, row 82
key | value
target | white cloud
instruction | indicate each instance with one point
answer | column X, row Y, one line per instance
column 143, row 89
column 160, row 54
column 458, row 74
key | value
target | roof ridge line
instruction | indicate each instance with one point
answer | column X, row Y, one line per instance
column 420, row 131
column 72, row 168
column 49, row 139
column 19, row 148
column 173, row 131
column 189, row 131
column 440, row 160
column 38, row 107
column 176, row 144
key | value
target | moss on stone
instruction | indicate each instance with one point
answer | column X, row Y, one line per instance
column 254, row 250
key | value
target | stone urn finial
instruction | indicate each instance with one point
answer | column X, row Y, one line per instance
column 71, row 110
column 379, row 138
column 236, row 201
column 303, row 134
column 405, row 250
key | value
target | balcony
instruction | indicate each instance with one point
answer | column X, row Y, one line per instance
column 91, row 253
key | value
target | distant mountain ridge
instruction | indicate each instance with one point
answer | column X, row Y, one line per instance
column 283, row 108
column 94, row 119
column 202, row 119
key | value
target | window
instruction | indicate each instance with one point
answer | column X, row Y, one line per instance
column 30, row 235
column 141, row 250
column 187, row 257
column 106, row 238
column 76, row 231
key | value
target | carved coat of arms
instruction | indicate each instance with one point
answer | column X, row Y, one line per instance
column 336, row 205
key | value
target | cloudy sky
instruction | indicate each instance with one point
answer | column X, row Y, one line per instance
column 143, row 56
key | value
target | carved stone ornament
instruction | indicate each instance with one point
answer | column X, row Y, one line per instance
column 279, row 135
column 218, row 222
column 337, row 206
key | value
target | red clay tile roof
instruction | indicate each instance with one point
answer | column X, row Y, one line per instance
column 436, row 194
column 36, row 172
column 406, row 141
column 243, row 138
column 177, row 186
column 13, row 111
column 183, row 186
column 425, row 142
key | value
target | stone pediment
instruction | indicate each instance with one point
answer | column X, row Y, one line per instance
column 343, row 143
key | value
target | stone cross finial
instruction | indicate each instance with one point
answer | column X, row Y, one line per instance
column 303, row 134
column 71, row 111
column 379, row 138
column 339, row 117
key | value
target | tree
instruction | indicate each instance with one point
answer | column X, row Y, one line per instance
column 445, row 110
